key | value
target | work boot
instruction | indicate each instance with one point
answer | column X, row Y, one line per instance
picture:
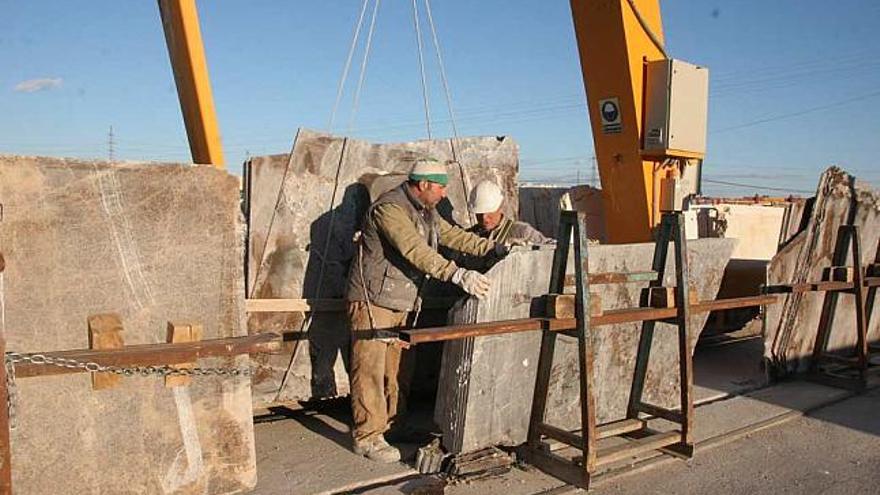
column 376, row 449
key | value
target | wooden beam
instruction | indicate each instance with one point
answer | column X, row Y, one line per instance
column 154, row 354
column 105, row 332
column 182, row 332
column 563, row 305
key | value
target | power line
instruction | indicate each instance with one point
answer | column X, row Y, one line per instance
column 754, row 186
column 799, row 113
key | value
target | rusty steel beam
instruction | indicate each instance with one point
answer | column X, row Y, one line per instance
column 152, row 354
column 612, row 317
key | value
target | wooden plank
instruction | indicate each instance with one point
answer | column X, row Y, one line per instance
column 293, row 305
column 105, row 332
column 154, row 354
column 182, row 332
column 563, row 305
column 611, row 455
column 664, row 297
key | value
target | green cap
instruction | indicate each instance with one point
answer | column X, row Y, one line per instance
column 430, row 170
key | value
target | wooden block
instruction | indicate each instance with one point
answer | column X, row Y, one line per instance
column 105, row 332
column 562, row 305
column 838, row 274
column 182, row 332
column 664, row 297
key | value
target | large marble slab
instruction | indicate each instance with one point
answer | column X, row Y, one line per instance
column 152, row 243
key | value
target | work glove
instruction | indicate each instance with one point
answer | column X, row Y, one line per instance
column 473, row 282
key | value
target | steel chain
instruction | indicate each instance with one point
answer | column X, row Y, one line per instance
column 164, row 370
column 11, row 395
column 42, row 359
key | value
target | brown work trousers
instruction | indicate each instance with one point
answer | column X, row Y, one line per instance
column 380, row 371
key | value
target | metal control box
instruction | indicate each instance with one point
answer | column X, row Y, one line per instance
column 676, row 109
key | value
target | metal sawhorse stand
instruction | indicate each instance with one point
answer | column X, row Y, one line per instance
column 581, row 471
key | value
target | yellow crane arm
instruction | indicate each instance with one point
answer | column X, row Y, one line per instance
column 183, row 36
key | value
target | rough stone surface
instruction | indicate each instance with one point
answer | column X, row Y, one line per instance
column 487, row 383
column 540, row 206
column 296, row 220
column 151, row 243
column 793, row 324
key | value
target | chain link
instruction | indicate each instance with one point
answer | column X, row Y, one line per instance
column 165, row 370
column 11, row 395
column 41, row 359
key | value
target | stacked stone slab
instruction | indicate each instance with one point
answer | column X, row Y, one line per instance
column 304, row 207
column 487, row 383
column 793, row 324
column 152, row 243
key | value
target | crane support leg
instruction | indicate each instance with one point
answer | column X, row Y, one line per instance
column 180, row 20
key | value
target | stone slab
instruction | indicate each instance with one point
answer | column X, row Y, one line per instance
column 486, row 383
column 792, row 325
column 306, row 206
column 152, row 243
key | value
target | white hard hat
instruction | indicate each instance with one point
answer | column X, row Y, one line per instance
column 486, row 197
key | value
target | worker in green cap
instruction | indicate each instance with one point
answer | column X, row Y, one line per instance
column 397, row 252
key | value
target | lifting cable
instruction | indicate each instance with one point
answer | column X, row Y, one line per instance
column 341, row 86
column 422, row 67
column 465, row 182
column 646, row 28
column 322, row 255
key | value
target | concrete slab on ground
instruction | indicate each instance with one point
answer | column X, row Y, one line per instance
column 308, row 453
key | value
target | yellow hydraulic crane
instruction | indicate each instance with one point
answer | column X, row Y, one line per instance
column 648, row 113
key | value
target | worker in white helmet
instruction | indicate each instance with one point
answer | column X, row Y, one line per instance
column 486, row 201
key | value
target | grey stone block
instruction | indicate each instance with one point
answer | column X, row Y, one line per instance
column 487, row 383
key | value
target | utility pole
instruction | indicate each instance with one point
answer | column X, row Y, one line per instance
column 594, row 169
column 111, row 146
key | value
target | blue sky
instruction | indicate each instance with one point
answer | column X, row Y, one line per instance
column 795, row 84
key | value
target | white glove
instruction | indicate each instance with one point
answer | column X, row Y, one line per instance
column 473, row 282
